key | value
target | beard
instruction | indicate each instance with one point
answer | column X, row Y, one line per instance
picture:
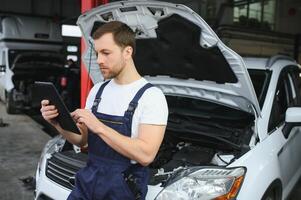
column 114, row 72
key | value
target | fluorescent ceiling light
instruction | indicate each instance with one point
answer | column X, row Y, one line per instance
column 71, row 31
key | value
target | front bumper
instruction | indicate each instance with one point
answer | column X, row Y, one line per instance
column 48, row 189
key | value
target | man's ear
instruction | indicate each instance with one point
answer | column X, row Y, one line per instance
column 128, row 52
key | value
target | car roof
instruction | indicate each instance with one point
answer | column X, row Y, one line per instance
column 255, row 63
column 268, row 63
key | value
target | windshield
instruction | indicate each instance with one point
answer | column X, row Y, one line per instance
column 260, row 80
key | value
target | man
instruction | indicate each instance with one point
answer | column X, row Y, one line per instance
column 123, row 123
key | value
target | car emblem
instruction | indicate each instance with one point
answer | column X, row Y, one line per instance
column 71, row 181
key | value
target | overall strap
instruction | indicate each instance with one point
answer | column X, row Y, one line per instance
column 98, row 96
column 134, row 103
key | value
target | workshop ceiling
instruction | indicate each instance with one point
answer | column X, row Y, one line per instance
column 65, row 11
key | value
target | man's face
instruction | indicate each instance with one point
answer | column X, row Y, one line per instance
column 110, row 57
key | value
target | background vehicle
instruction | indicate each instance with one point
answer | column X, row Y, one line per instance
column 29, row 51
column 233, row 122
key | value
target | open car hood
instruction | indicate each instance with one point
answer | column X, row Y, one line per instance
column 177, row 51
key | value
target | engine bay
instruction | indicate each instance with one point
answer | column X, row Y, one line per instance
column 176, row 156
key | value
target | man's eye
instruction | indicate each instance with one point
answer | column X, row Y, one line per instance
column 106, row 53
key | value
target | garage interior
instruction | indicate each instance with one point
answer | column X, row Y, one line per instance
column 257, row 28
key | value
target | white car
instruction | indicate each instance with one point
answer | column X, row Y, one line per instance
column 234, row 124
column 30, row 50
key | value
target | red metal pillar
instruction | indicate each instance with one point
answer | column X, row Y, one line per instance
column 86, row 83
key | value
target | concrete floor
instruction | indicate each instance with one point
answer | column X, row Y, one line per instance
column 20, row 146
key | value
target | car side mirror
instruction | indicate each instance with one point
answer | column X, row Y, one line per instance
column 292, row 118
column 293, row 115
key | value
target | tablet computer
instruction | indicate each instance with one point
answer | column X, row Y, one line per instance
column 46, row 90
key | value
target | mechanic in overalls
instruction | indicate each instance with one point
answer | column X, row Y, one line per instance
column 123, row 123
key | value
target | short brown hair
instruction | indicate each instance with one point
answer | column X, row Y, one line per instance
column 123, row 35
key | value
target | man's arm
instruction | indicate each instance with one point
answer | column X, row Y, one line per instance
column 142, row 149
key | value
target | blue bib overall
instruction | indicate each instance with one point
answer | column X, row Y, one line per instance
column 108, row 174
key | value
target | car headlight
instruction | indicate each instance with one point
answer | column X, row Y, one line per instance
column 204, row 184
column 53, row 145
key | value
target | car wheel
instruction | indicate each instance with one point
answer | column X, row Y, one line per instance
column 9, row 104
column 272, row 194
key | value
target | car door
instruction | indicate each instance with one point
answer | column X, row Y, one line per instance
column 294, row 137
column 286, row 96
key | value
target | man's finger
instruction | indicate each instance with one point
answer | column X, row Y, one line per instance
column 80, row 125
column 80, row 120
column 44, row 102
column 50, row 112
column 49, row 117
column 46, row 114
column 48, row 108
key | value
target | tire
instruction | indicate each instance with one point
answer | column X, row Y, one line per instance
column 273, row 193
column 10, row 105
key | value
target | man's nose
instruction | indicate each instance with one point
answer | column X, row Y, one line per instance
column 100, row 59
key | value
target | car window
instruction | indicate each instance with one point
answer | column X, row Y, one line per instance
column 282, row 100
column 260, row 80
column 296, row 79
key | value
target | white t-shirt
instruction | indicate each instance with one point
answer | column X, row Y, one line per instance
column 152, row 107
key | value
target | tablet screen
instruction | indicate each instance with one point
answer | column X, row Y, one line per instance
column 46, row 90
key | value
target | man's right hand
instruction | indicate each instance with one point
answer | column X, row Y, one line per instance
column 49, row 113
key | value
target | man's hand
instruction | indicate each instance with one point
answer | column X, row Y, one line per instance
column 49, row 113
column 86, row 117
column 82, row 128
column 142, row 149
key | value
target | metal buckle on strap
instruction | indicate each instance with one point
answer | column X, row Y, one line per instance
column 96, row 101
column 132, row 107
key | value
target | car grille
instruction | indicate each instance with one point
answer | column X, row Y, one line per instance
column 62, row 167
